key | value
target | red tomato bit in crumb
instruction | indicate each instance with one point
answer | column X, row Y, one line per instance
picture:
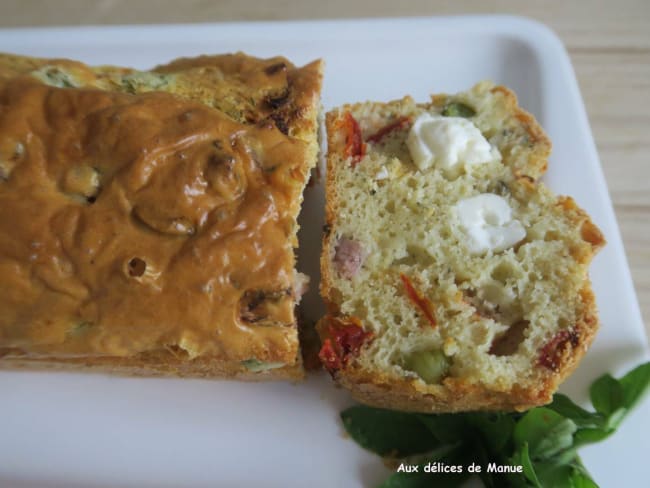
column 399, row 124
column 329, row 358
column 355, row 148
column 551, row 353
column 347, row 337
column 418, row 300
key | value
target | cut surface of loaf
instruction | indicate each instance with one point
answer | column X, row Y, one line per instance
column 453, row 279
column 148, row 218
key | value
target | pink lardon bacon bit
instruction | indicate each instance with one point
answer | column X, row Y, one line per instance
column 348, row 257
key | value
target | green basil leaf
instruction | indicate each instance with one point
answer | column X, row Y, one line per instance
column 447, row 428
column 495, row 429
column 580, row 478
column 522, row 457
column 635, row 384
column 546, row 432
column 615, row 398
column 615, row 419
column 388, row 433
column 567, row 456
column 558, row 439
column 425, row 480
column 406, row 480
column 564, row 475
column 450, row 456
column 480, row 457
column 607, row 395
column 563, row 405
column 554, row 475
column 589, row 436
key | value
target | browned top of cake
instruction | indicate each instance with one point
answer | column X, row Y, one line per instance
column 146, row 219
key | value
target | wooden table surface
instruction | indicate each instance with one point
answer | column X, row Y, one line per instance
column 608, row 41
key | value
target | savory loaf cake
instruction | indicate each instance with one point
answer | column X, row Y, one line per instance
column 148, row 218
column 454, row 280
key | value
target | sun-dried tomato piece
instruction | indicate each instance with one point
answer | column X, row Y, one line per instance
column 349, row 338
column 346, row 337
column 551, row 353
column 355, row 148
column 329, row 357
column 418, row 300
column 399, row 124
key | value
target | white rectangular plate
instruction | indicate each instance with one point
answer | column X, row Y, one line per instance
column 74, row 430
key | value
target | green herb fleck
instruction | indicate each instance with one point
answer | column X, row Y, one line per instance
column 388, row 433
column 255, row 365
column 80, row 328
column 54, row 76
column 144, row 81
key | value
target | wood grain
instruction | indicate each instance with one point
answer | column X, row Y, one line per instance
column 609, row 45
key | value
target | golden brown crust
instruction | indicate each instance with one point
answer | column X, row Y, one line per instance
column 252, row 90
column 588, row 230
column 248, row 89
column 270, row 147
column 156, row 364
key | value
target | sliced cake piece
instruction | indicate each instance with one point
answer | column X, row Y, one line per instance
column 453, row 279
column 148, row 218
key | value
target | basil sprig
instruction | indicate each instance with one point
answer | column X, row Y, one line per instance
column 543, row 440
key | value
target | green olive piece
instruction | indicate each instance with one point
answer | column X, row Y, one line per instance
column 457, row 109
column 431, row 366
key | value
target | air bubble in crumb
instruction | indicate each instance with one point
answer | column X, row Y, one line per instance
column 137, row 267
